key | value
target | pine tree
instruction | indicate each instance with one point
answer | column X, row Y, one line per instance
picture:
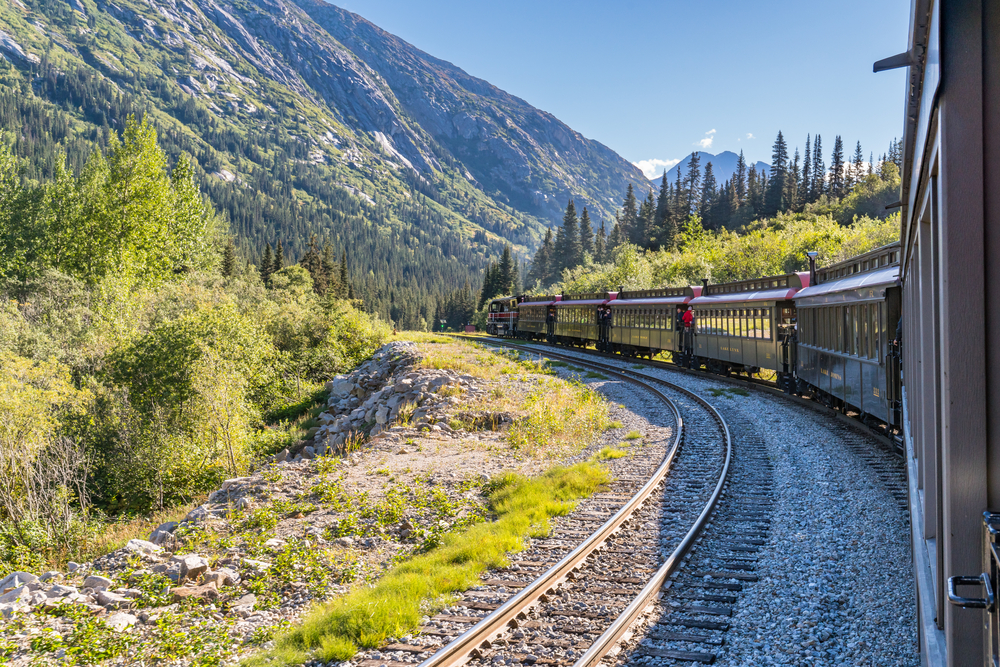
column 506, row 274
column 662, row 208
column 541, row 263
column 859, row 163
column 346, row 288
column 279, row 258
column 806, row 184
column 646, row 223
column 629, row 215
column 600, row 244
column 871, row 160
column 490, row 283
column 708, row 195
column 586, row 233
column 312, row 262
column 330, row 270
column 774, row 200
column 266, row 265
column 740, row 179
column 693, row 184
column 819, row 171
column 792, row 195
column 615, row 238
column 229, row 259
column 837, row 169
column 755, row 199
column 568, row 252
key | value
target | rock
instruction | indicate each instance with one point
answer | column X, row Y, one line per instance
column 344, row 542
column 15, row 579
column 382, row 415
column 256, row 565
column 403, row 386
column 8, row 610
column 121, row 621
column 204, row 593
column 59, row 591
column 244, row 503
column 113, row 601
column 97, row 583
column 19, row 594
column 221, row 577
column 234, row 481
column 48, row 576
column 248, row 600
column 171, row 571
column 72, row 567
column 341, row 387
column 37, row 598
column 308, row 452
column 274, row 543
column 197, row 514
column 192, row 566
column 143, row 547
column 281, row 456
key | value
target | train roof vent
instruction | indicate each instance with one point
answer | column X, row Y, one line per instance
column 660, row 292
column 585, row 297
column 539, row 297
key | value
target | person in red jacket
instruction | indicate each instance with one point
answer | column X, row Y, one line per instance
column 688, row 318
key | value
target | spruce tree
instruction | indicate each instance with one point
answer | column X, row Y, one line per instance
column 312, row 262
column 330, row 270
column 708, row 195
column 693, row 185
column 279, row 258
column 662, row 208
column 541, row 263
column 615, row 239
column 506, row 274
column 774, row 200
column 818, row 171
column 754, row 201
column 837, row 169
column 805, row 185
column 568, row 252
column 229, row 259
column 489, row 289
column 740, row 179
column 859, row 163
column 266, row 264
column 871, row 161
column 629, row 215
column 646, row 222
column 586, row 234
column 792, row 184
column 346, row 289
column 600, row 244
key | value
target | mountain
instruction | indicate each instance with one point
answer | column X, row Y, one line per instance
column 723, row 166
column 307, row 119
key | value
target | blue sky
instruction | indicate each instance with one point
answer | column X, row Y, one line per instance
column 657, row 80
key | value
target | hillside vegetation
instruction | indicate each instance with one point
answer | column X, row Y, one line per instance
column 139, row 363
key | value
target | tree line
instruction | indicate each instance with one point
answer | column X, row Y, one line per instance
column 696, row 196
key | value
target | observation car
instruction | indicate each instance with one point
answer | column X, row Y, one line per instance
column 577, row 319
column 501, row 316
column 846, row 324
column 745, row 326
column 645, row 322
column 536, row 316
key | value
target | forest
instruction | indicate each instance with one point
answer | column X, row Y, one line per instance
column 142, row 360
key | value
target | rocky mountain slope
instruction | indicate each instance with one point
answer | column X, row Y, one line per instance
column 723, row 166
column 306, row 119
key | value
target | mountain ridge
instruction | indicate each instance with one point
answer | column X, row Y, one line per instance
column 723, row 166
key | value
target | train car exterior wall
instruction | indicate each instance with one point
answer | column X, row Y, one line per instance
column 950, row 275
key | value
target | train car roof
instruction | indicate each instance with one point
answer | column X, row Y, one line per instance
column 591, row 299
column 879, row 278
column 537, row 303
column 780, row 294
column 659, row 296
column 770, row 288
column 585, row 302
column 656, row 301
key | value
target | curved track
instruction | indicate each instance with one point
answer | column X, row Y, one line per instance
column 588, row 601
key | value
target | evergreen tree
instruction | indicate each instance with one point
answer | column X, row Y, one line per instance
column 806, row 184
column 774, row 200
column 792, row 184
column 229, row 258
column 600, row 244
column 312, row 262
column 490, row 285
column 279, row 258
column 662, row 208
column 330, row 270
column 541, row 263
column 266, row 265
column 646, row 223
column 346, row 289
column 586, row 233
column 755, row 194
column 629, row 215
column 568, row 252
column 740, row 179
column 818, row 171
column 871, row 161
column 837, row 169
column 708, row 196
column 693, row 185
column 615, row 238
column 506, row 274
column 859, row 164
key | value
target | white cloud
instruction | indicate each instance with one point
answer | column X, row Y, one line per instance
column 706, row 142
column 712, row 131
column 653, row 168
column 750, row 135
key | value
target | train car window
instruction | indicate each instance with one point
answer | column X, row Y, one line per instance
column 841, row 347
column 878, row 331
column 767, row 324
column 865, row 350
column 856, row 331
column 849, row 330
column 824, row 328
column 758, row 324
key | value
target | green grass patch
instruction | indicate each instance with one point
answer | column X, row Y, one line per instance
column 608, row 453
column 615, row 424
column 633, row 435
column 638, row 367
column 367, row 617
column 594, row 375
column 557, row 364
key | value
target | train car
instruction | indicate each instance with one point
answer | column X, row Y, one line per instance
column 951, row 323
column 536, row 316
column 644, row 322
column 577, row 320
column 501, row 316
column 739, row 325
column 846, row 326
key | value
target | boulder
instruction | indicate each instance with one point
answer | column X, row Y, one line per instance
column 72, row 567
column 8, row 610
column 308, row 452
column 49, row 576
column 59, row 591
column 171, row 571
column 221, row 577
column 192, row 566
column 244, row 503
column 113, row 601
column 281, row 456
column 19, row 594
column 234, row 481
column 97, row 583
column 143, row 547
column 197, row 514
column 341, row 387
column 121, row 621
column 244, row 606
column 16, row 579
column 204, row 593
column 382, row 415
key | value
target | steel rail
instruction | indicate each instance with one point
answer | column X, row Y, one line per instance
column 463, row 647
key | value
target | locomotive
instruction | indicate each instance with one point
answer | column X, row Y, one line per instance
column 829, row 332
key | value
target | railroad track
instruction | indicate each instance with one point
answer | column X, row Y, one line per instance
column 580, row 607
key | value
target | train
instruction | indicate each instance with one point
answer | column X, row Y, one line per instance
column 830, row 333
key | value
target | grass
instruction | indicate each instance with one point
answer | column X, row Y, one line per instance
column 367, row 617
column 594, row 375
column 615, row 424
column 633, row 435
column 608, row 453
column 561, row 417
column 730, row 391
